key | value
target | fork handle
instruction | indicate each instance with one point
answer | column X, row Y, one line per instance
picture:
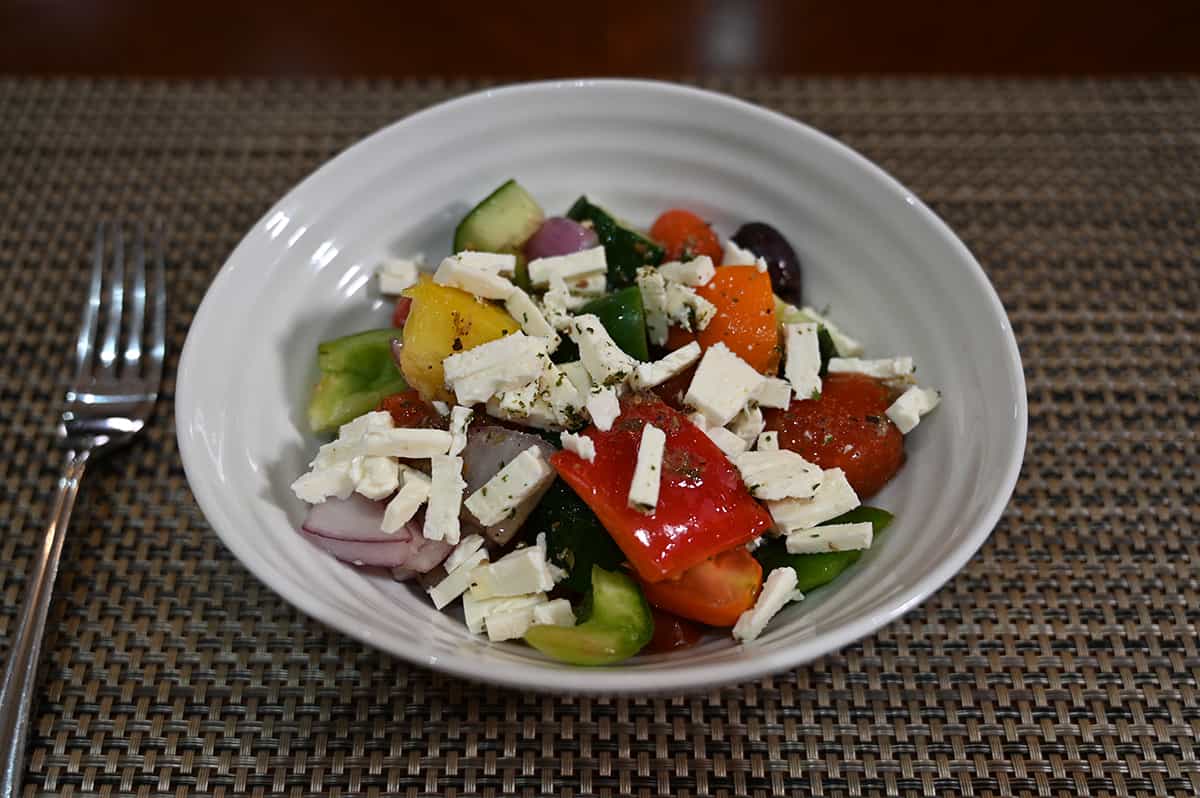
column 20, row 674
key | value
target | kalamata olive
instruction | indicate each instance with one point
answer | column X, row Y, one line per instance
column 782, row 262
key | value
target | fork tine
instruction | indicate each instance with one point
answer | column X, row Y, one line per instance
column 158, row 313
column 116, row 299
column 137, row 306
column 91, row 309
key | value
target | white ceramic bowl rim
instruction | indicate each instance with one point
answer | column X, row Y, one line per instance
column 684, row 677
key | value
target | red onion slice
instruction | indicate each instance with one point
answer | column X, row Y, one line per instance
column 559, row 236
column 349, row 530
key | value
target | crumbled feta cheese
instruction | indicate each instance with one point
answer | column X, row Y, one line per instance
column 834, row 497
column 777, row 591
column 774, row 392
column 491, row 354
column 494, row 262
column 465, row 548
column 398, row 274
column 694, row 273
column 557, row 305
column 835, row 537
column 554, row 613
column 477, row 610
column 375, row 477
column 574, row 265
column 504, row 364
column 445, row 499
column 590, row 285
column 339, row 465
column 768, row 441
column 522, row 308
column 726, row 441
column 688, row 309
column 359, row 428
column 509, row 625
column 736, row 256
column 915, row 402
column 559, row 391
column 647, row 375
column 551, row 402
column 441, row 407
column 647, row 474
column 458, row 580
column 844, row 344
column 523, row 571
column 321, row 483
column 607, row 364
column 779, row 474
column 748, row 424
column 722, row 385
column 577, row 373
column 653, row 287
column 408, row 442
column 890, row 368
column 604, row 407
column 499, row 497
column 460, row 419
column 482, row 281
column 581, row 445
column 803, row 366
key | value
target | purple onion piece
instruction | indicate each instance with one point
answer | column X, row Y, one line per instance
column 559, row 236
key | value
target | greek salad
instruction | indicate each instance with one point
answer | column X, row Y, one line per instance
column 604, row 441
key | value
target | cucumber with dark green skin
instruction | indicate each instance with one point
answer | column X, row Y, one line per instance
column 814, row 570
column 502, row 222
column 626, row 250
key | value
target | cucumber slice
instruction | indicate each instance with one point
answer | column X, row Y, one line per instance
column 502, row 222
column 625, row 249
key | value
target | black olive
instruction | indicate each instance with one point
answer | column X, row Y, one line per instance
column 782, row 262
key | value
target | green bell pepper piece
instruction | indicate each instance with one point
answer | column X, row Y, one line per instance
column 575, row 538
column 617, row 625
column 814, row 570
column 357, row 371
column 623, row 315
column 625, row 249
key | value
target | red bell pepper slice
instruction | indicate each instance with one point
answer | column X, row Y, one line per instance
column 703, row 507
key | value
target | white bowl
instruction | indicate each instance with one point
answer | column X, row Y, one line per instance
column 892, row 272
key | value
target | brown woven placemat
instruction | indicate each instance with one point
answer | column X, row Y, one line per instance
column 1062, row 661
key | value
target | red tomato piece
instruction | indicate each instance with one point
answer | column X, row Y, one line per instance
column 703, row 507
column 408, row 409
column 845, row 427
column 714, row 592
column 685, row 235
column 671, row 632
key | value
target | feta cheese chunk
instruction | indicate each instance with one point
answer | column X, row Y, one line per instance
column 523, row 571
column 844, row 344
column 890, row 368
column 781, row 474
column 375, row 477
column 494, row 262
column 477, row 610
column 726, row 441
column 462, row 552
column 445, row 499
column 504, row 364
column 607, row 364
column 748, row 424
column 722, row 385
column 340, row 464
column 524, row 476
column 604, row 407
column 414, row 491
column 441, row 407
column 574, row 265
column 647, row 375
column 653, row 287
column 736, row 256
column 557, row 304
column 458, row 580
column 409, row 443
column 778, row 590
column 694, row 273
column 509, row 625
column 578, row 375
column 460, row 419
column 522, row 308
column 835, row 537
column 554, row 613
column 688, row 309
column 834, row 497
column 774, row 392
column 803, row 366
column 589, row 286
column 768, row 441
column 647, row 474
column 915, row 402
column 321, row 483
column 398, row 274
column 480, row 280
column 581, row 445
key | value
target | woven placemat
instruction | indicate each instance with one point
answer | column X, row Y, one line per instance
column 1062, row 661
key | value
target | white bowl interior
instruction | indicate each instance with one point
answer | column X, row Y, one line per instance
column 888, row 269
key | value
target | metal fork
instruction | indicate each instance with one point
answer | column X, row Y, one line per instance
column 110, row 398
